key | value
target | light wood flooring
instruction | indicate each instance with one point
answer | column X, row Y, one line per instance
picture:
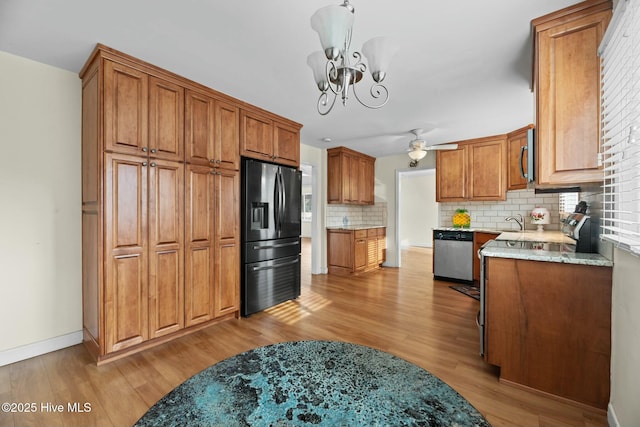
column 402, row 311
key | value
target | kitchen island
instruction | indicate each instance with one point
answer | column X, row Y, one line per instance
column 546, row 312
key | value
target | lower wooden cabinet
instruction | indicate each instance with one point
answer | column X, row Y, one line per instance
column 355, row 251
column 479, row 239
column 548, row 327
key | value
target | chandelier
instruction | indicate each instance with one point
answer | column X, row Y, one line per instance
column 332, row 66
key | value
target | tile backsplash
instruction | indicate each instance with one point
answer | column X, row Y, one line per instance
column 368, row 215
column 492, row 214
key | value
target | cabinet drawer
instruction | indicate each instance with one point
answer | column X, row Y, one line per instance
column 360, row 234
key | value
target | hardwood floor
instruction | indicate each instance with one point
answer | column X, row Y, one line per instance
column 401, row 311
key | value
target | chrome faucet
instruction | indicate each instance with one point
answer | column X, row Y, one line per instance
column 519, row 221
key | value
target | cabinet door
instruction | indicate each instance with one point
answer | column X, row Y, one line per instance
column 487, row 170
column 126, row 251
column 200, row 129
column 227, row 266
column 125, row 109
column 372, row 251
column 352, row 179
column 339, row 250
column 366, row 179
column 166, row 120
column 166, row 247
column 451, row 175
column 200, row 244
column 517, row 159
column 227, row 139
column 568, row 101
column 286, row 144
column 360, row 253
column 256, row 136
column 334, row 178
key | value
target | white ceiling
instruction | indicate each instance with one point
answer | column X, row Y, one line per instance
column 463, row 67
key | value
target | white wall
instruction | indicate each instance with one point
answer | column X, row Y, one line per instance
column 317, row 159
column 418, row 213
column 40, row 232
column 625, row 345
column 387, row 171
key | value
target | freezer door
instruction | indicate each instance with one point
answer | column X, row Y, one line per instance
column 265, row 250
column 269, row 283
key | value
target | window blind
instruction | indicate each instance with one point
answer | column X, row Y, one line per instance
column 620, row 127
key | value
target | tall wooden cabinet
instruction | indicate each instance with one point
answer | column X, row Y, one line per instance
column 475, row 171
column 350, row 177
column 160, row 215
column 567, row 90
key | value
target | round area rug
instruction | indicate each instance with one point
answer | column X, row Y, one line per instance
column 326, row 383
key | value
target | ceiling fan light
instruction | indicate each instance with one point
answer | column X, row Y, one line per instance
column 332, row 23
column 379, row 51
column 318, row 62
column 417, row 154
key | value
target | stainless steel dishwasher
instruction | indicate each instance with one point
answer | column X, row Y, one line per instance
column 453, row 255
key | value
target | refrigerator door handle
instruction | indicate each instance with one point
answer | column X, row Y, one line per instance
column 276, row 202
column 281, row 245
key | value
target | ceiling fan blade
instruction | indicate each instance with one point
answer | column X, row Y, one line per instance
column 442, row 147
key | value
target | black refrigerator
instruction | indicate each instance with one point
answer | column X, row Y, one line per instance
column 271, row 221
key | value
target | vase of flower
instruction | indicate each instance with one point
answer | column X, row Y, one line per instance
column 539, row 216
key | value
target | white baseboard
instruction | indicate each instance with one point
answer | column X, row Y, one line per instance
column 41, row 347
column 611, row 416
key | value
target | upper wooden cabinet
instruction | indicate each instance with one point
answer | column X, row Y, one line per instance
column 567, row 91
column 517, row 155
column 144, row 115
column 212, row 131
column 475, row 171
column 268, row 138
column 350, row 177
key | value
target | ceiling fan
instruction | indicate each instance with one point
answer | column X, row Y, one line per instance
column 418, row 147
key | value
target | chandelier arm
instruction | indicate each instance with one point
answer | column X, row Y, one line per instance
column 377, row 91
column 323, row 106
column 332, row 74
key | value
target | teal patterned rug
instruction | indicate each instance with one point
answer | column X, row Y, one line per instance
column 302, row 383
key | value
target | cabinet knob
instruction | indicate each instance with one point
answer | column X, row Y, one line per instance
column 212, row 161
column 218, row 161
column 153, row 164
column 144, row 163
column 145, row 149
column 153, row 150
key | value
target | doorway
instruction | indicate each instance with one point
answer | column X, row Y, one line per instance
column 417, row 209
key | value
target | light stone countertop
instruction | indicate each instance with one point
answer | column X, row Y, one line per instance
column 354, row 227
column 495, row 249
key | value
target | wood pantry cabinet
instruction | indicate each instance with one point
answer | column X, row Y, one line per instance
column 475, row 171
column 567, row 92
column 160, row 228
column 350, row 177
column 266, row 137
column 550, row 332
column 356, row 251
